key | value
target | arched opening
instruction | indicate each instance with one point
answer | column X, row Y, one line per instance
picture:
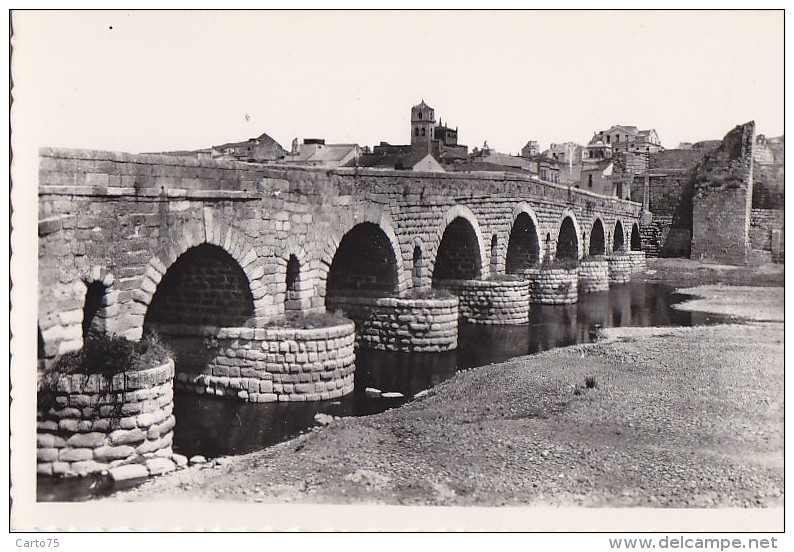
column 567, row 241
column 636, row 240
column 494, row 254
column 364, row 262
column 458, row 256
column 93, row 322
column 205, row 286
column 597, row 241
column 292, row 298
column 523, row 249
column 417, row 267
column 617, row 237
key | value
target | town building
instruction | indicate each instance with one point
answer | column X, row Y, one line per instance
column 548, row 169
column 531, row 149
column 565, row 152
column 629, row 138
column 487, row 155
column 404, row 158
column 596, row 151
column 437, row 139
column 262, row 149
column 597, row 177
column 427, row 137
column 315, row 152
column 254, row 150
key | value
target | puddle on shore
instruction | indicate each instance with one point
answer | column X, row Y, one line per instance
column 214, row 427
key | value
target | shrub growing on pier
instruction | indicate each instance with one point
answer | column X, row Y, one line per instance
column 560, row 263
column 300, row 321
column 429, row 294
column 111, row 354
column 103, row 354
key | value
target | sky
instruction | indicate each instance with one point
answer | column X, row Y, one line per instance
column 156, row 81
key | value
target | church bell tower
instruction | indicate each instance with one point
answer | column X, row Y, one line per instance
column 423, row 123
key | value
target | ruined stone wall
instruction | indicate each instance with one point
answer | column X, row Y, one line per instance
column 722, row 200
column 767, row 231
column 714, row 178
column 631, row 162
column 768, row 174
column 126, row 219
column 670, row 201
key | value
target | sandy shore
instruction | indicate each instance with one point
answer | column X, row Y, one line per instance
column 678, row 417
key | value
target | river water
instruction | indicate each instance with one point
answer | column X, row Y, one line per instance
column 213, row 426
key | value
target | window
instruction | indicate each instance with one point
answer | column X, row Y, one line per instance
column 589, row 180
column 416, row 131
column 423, row 131
column 420, row 114
column 608, row 138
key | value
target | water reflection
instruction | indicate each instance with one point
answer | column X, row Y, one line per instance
column 254, row 426
column 213, row 427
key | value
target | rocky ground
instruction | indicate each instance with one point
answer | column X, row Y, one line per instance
column 659, row 417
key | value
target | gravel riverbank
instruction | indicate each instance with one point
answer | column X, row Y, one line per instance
column 678, row 417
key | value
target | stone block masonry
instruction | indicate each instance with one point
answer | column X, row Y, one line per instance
column 397, row 324
column 638, row 261
column 593, row 275
column 767, row 230
column 490, row 301
column 268, row 364
column 722, row 200
column 129, row 221
column 553, row 286
column 621, row 267
column 97, row 422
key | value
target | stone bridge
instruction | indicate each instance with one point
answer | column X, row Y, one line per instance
column 128, row 242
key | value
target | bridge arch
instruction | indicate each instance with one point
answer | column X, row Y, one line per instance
column 205, row 286
column 377, row 226
column 365, row 262
column 230, row 241
column 523, row 246
column 636, row 239
column 598, row 243
column 460, row 251
column 568, row 243
column 618, row 237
